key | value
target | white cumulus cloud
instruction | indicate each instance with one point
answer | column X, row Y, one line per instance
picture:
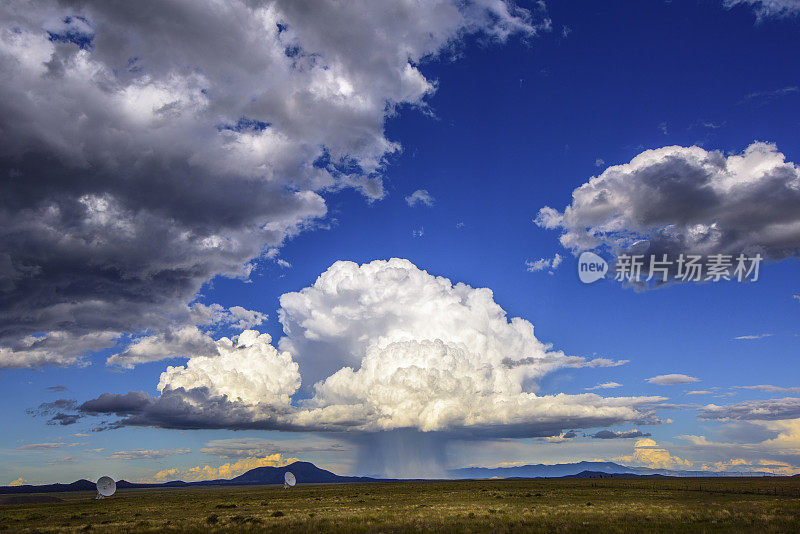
column 351, row 308
column 421, row 352
column 675, row 199
column 673, row 379
column 246, row 369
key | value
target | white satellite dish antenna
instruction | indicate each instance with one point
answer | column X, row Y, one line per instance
column 105, row 487
column 289, row 479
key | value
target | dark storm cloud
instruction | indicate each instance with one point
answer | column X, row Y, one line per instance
column 64, row 419
column 755, row 410
column 118, row 404
column 55, row 347
column 181, row 409
column 614, row 434
column 196, row 409
column 147, row 147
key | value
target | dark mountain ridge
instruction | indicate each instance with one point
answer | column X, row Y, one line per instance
column 308, row 473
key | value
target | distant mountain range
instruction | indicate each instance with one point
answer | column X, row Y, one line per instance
column 308, row 473
column 571, row 469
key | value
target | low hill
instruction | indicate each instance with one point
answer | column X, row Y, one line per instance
column 305, row 472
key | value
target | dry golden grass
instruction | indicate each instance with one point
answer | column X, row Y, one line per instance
column 556, row 505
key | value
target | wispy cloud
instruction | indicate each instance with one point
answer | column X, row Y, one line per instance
column 761, row 98
column 420, row 196
column 236, row 448
column 147, row 454
column 605, row 385
column 771, row 389
column 543, row 264
column 41, row 446
column 711, row 125
column 64, row 460
column 753, row 336
column 754, row 410
column 768, row 8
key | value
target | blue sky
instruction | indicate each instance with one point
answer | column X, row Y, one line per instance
column 512, row 127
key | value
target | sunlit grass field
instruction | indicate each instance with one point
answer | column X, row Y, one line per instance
column 555, row 505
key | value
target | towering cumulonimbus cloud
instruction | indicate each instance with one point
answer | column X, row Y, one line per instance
column 353, row 310
column 395, row 360
column 402, row 348
column 675, row 200
column 146, row 147
column 410, row 353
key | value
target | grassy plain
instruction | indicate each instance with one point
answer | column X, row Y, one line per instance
column 555, row 505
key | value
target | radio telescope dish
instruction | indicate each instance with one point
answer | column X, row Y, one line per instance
column 289, row 479
column 105, row 487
